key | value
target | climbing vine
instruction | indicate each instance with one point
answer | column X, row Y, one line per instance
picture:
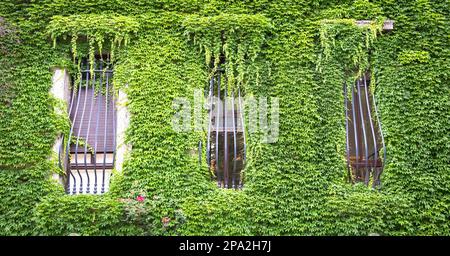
column 97, row 29
column 353, row 41
column 239, row 37
column 301, row 52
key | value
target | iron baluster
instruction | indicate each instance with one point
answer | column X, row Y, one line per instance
column 70, row 135
column 372, row 129
column 114, row 123
column 355, row 133
column 96, row 130
column 225, row 162
column 363, row 126
column 79, row 133
column 208, row 145
column 104, row 134
column 233, row 175
column 243, row 134
column 347, row 145
column 88, row 130
column 219, row 182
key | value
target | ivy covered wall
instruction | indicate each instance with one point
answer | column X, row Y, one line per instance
column 298, row 51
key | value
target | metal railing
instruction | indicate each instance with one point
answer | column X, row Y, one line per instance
column 364, row 139
column 226, row 135
column 91, row 145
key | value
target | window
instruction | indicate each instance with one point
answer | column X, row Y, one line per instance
column 226, row 144
column 364, row 135
column 92, row 138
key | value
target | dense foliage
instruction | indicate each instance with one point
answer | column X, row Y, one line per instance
column 298, row 51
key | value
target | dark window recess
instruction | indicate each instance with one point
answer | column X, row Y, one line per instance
column 366, row 152
column 226, row 144
column 91, row 146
